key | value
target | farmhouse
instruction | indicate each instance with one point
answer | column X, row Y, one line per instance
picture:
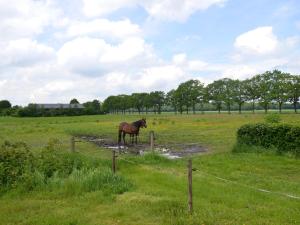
column 60, row 106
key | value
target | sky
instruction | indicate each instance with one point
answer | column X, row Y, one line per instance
column 56, row 50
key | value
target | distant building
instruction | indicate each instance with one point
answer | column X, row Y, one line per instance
column 60, row 106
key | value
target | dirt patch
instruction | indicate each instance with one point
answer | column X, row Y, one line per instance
column 171, row 151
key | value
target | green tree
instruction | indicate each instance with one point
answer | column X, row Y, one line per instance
column 229, row 93
column 265, row 85
column 4, row 104
column 92, row 108
column 184, row 95
column 171, row 100
column 251, row 91
column 280, row 87
column 74, row 101
column 194, row 93
column 158, row 99
column 179, row 95
column 239, row 93
column 215, row 92
column 294, row 90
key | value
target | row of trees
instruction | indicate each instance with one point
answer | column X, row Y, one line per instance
column 32, row 110
column 261, row 90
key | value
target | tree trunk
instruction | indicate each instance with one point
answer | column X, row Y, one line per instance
column 240, row 108
column 194, row 109
column 253, row 106
column 187, row 110
column 280, row 107
column 266, row 108
column 229, row 109
column 295, row 107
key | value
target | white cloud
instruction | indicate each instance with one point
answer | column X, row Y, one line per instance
column 95, row 56
column 258, row 41
column 179, row 58
column 177, row 10
column 172, row 10
column 93, row 8
column 25, row 18
column 127, row 50
column 24, row 52
column 103, row 28
column 190, row 65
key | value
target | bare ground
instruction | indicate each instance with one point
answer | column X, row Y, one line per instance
column 169, row 150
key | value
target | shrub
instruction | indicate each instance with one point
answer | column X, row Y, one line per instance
column 54, row 159
column 16, row 161
column 283, row 137
column 54, row 169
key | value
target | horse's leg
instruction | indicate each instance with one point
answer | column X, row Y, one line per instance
column 124, row 134
column 132, row 138
column 136, row 135
column 119, row 138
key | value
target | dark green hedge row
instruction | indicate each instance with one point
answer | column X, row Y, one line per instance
column 283, row 137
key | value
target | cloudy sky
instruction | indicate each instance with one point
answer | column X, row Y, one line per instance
column 54, row 50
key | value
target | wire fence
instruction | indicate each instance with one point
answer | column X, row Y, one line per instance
column 197, row 171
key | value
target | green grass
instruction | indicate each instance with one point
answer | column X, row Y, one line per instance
column 154, row 189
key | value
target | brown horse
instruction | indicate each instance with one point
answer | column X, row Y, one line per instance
column 132, row 129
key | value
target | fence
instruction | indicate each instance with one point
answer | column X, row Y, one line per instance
column 190, row 170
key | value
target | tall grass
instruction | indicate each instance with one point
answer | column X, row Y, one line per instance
column 84, row 180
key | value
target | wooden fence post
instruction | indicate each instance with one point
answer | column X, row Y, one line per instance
column 72, row 144
column 190, row 187
column 152, row 140
column 114, row 161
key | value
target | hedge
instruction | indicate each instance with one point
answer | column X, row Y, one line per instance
column 283, row 137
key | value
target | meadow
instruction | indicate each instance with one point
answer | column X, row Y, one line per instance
column 228, row 187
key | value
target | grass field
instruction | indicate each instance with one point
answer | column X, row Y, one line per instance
column 158, row 194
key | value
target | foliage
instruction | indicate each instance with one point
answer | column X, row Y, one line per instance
column 266, row 88
column 52, row 159
column 19, row 167
column 74, row 101
column 4, row 104
column 15, row 162
column 283, row 137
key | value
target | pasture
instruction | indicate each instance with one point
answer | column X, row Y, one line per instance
column 225, row 184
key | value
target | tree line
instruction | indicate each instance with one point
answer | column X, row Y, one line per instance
column 33, row 110
column 261, row 90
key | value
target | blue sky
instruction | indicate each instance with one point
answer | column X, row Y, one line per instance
column 55, row 50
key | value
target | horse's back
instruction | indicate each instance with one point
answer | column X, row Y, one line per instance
column 123, row 124
column 127, row 128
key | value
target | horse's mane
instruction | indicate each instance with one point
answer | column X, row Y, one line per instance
column 137, row 123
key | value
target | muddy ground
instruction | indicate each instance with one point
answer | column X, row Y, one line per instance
column 171, row 151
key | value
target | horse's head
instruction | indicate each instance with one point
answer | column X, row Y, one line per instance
column 143, row 123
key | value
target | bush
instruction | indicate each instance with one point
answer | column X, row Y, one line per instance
column 55, row 169
column 53, row 159
column 16, row 162
column 283, row 137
